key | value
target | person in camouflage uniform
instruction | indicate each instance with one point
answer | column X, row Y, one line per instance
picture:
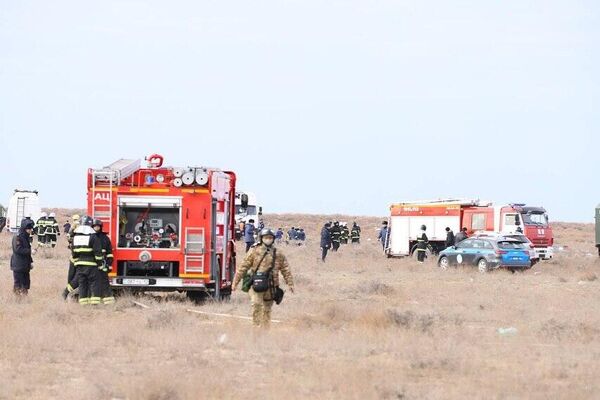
column 260, row 257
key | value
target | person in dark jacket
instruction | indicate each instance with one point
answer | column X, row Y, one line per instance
column 21, row 262
column 249, row 234
column 325, row 241
column 383, row 234
column 460, row 236
column 302, row 235
column 449, row 237
column 292, row 234
column 279, row 236
column 67, row 228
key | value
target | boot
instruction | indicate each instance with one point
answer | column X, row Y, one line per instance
column 65, row 294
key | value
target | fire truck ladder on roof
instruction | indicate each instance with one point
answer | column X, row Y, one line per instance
column 103, row 182
column 20, row 211
column 461, row 202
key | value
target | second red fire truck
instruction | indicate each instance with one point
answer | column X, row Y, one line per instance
column 407, row 218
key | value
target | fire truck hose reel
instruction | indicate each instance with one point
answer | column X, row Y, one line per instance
column 201, row 177
column 188, row 178
column 177, row 182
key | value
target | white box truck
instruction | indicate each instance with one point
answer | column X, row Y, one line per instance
column 23, row 203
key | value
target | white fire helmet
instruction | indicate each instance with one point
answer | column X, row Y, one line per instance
column 52, row 215
column 44, row 215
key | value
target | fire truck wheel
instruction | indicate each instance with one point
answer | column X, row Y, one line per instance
column 482, row 265
column 198, row 297
column 225, row 297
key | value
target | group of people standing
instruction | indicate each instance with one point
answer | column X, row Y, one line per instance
column 333, row 235
column 91, row 258
column 47, row 231
column 91, row 261
column 295, row 235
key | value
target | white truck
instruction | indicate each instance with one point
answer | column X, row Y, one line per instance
column 246, row 209
column 23, row 203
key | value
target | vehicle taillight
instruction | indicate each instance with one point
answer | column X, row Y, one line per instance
column 501, row 252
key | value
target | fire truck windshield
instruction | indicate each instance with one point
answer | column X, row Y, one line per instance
column 535, row 219
column 250, row 210
column 149, row 227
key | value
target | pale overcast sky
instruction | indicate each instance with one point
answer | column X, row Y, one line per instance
column 319, row 106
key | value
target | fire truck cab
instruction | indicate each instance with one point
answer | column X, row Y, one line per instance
column 171, row 228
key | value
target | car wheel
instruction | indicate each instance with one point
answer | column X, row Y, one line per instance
column 482, row 265
column 444, row 263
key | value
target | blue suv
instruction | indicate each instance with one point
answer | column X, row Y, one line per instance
column 487, row 254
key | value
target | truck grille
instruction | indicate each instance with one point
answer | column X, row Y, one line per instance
column 541, row 242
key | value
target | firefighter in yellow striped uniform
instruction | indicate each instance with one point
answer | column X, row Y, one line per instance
column 40, row 229
column 87, row 259
column 72, row 279
column 103, row 245
column 422, row 242
column 52, row 230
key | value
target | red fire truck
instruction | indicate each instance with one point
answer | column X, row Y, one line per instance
column 171, row 228
column 407, row 218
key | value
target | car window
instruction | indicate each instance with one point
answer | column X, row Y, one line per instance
column 465, row 244
column 488, row 245
column 511, row 245
column 520, row 238
column 479, row 244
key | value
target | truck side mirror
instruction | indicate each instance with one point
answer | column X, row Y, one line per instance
column 244, row 201
column 517, row 220
column 259, row 210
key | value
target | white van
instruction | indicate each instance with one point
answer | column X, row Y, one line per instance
column 23, row 203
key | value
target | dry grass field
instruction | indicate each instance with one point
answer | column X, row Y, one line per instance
column 359, row 327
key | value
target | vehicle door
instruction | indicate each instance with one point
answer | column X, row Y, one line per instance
column 474, row 252
column 460, row 255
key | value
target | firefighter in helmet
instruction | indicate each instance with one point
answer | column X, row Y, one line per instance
column 355, row 233
column 87, row 258
column 52, row 230
column 40, row 229
column 422, row 242
column 264, row 262
column 345, row 236
column 103, row 241
column 336, row 235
